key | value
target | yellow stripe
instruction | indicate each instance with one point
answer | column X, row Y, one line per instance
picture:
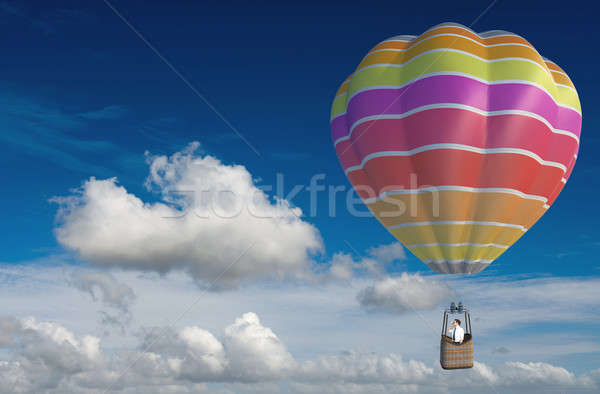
column 383, row 54
column 499, row 70
column 468, row 252
column 454, row 42
column 457, row 233
column 339, row 106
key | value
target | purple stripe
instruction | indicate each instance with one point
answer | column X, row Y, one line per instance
column 458, row 90
column 339, row 128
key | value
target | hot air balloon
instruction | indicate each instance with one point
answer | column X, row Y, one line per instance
column 457, row 142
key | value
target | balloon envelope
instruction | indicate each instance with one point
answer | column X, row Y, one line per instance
column 457, row 142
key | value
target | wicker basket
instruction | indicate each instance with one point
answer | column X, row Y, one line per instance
column 456, row 355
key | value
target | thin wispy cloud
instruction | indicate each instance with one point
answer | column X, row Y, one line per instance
column 47, row 22
column 110, row 112
column 50, row 134
column 103, row 287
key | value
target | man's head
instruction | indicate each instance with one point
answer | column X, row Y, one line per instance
column 456, row 322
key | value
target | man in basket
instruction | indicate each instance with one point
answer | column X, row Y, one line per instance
column 458, row 333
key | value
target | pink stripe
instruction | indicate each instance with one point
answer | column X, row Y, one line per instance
column 459, row 90
column 456, row 126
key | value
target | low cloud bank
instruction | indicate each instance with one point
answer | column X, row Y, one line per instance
column 47, row 357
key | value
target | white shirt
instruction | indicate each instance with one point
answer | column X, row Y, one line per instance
column 458, row 334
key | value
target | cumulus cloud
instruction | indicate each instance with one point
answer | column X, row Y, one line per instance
column 47, row 357
column 255, row 351
column 56, row 334
column 247, row 352
column 202, row 347
column 388, row 253
column 210, row 215
column 404, row 293
column 45, row 353
column 343, row 266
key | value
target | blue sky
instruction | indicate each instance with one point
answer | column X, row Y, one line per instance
column 83, row 96
column 270, row 75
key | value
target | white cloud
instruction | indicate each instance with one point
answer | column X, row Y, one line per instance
column 388, row 253
column 47, row 357
column 205, row 349
column 343, row 266
column 45, row 353
column 219, row 347
column 256, row 353
column 325, row 317
column 211, row 215
column 404, row 293
column 538, row 373
column 353, row 367
column 59, row 335
column 103, row 286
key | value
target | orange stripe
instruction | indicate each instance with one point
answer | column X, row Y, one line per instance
column 484, row 41
column 457, row 205
column 554, row 67
column 391, row 45
column 344, row 86
column 562, row 79
column 458, row 43
column 467, row 33
column 558, row 78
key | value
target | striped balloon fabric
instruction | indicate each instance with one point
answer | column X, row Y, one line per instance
column 457, row 142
